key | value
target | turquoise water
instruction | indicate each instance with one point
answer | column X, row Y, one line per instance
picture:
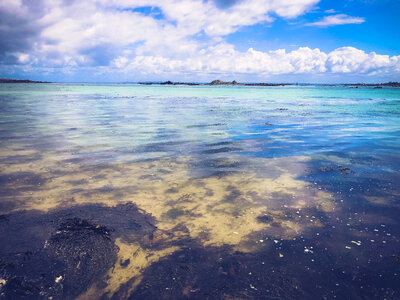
column 303, row 179
column 124, row 118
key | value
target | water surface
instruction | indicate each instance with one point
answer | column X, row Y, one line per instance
column 201, row 192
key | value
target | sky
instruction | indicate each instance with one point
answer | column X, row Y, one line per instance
column 305, row 41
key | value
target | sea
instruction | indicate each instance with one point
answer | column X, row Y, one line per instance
column 129, row 191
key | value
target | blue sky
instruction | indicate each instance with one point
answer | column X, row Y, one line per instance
column 378, row 33
column 199, row 40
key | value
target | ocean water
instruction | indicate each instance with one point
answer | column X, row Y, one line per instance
column 199, row 192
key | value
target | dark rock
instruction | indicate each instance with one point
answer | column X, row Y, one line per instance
column 217, row 82
column 220, row 82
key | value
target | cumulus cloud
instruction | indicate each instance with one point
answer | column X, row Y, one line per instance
column 224, row 59
column 18, row 27
column 340, row 19
column 184, row 37
column 63, row 32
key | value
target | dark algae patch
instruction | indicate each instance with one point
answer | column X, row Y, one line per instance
column 343, row 170
column 214, row 273
column 74, row 257
column 176, row 212
column 283, row 270
column 264, row 219
column 60, row 254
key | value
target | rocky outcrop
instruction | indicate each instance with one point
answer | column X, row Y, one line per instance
column 234, row 82
column 220, row 82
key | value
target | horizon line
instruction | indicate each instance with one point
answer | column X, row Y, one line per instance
column 168, row 82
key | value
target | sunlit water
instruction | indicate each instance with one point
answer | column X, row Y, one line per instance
column 253, row 192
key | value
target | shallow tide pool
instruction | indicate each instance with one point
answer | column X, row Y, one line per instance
column 199, row 192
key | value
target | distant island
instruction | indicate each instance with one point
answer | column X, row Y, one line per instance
column 220, row 82
column 169, row 83
column 215, row 82
column 234, row 82
column 8, row 80
column 390, row 84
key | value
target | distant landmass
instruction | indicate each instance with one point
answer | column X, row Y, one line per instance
column 391, row 84
column 169, row 83
column 215, row 82
column 220, row 82
column 8, row 80
column 234, row 82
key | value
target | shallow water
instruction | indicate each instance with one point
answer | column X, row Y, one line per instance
column 238, row 192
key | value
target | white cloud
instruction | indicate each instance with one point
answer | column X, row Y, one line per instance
column 224, row 59
column 352, row 60
column 23, row 58
column 113, row 36
column 73, row 28
column 339, row 19
column 331, row 11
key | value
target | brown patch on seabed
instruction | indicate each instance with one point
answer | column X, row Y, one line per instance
column 216, row 211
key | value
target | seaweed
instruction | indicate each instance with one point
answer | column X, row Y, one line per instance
column 60, row 254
